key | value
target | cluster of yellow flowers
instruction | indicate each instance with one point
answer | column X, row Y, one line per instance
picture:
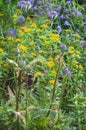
column 54, row 37
column 37, row 74
column 18, row 40
column 52, row 81
column 50, row 64
column 1, row 50
column 44, row 26
column 68, row 30
column 22, row 47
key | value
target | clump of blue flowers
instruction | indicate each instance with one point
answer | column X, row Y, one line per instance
column 21, row 19
column 11, row 32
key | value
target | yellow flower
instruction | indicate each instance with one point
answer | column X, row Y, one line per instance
column 77, row 52
column 47, row 20
column 77, row 40
column 74, row 62
column 77, row 66
column 80, row 67
column 6, row 65
column 33, row 25
column 28, row 18
column 1, row 50
column 32, row 53
column 32, row 43
column 42, row 37
column 53, row 72
column 23, row 28
column 10, row 38
column 18, row 40
column 19, row 31
column 1, row 62
column 38, row 73
column 54, row 37
column 44, row 26
column 52, row 81
column 71, row 51
column 38, row 30
column 68, row 30
column 46, row 42
column 27, row 30
column 15, row 16
column 50, row 58
column 50, row 64
column 22, row 47
column 71, row 47
column 76, row 35
column 1, row 15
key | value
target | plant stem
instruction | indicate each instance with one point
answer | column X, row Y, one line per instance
column 62, row 93
column 27, row 104
column 17, row 97
column 54, row 89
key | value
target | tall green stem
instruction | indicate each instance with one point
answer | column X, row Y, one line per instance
column 27, row 105
column 54, row 90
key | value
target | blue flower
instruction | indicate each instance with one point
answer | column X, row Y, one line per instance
column 68, row 72
column 59, row 29
column 11, row 32
column 68, row 2
column 66, row 23
column 58, row 8
column 79, row 14
column 25, row 4
column 21, row 18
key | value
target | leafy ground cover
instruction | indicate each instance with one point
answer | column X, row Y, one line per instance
column 42, row 65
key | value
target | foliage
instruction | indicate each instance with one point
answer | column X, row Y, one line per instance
column 42, row 66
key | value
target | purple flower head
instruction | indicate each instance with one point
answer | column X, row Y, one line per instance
column 58, row 8
column 68, row 72
column 55, row 13
column 77, row 31
column 47, row 9
column 79, row 14
column 62, row 16
column 24, row 4
column 73, row 13
column 82, row 42
column 84, row 23
column 66, row 16
column 41, row 13
column 66, row 23
column 32, row 1
column 35, row 8
column 68, row 2
column 21, row 19
column 50, row 15
column 66, row 10
column 59, row 29
column 11, row 32
column 39, row 2
column 74, row 9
